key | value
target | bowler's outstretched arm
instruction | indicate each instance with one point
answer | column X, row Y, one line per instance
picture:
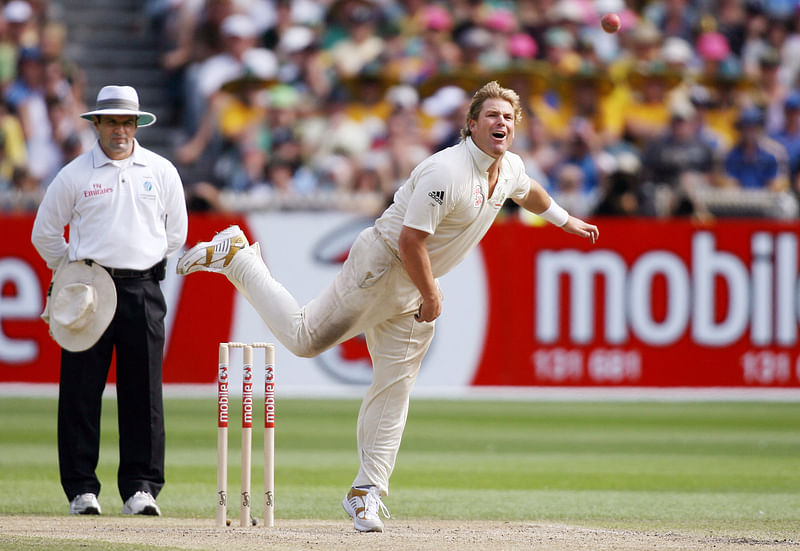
column 538, row 201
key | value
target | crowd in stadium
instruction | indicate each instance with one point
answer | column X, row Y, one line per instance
column 691, row 109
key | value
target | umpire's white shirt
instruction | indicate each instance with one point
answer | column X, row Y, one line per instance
column 122, row 214
column 447, row 197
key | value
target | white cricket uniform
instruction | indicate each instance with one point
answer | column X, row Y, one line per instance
column 126, row 214
column 446, row 196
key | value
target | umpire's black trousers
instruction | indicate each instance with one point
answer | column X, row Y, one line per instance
column 137, row 334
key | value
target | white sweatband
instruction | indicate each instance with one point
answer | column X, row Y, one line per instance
column 555, row 214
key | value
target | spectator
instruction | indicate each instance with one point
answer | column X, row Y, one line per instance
column 673, row 18
column 32, row 107
column 586, row 94
column 772, row 92
column 301, row 63
column 191, row 31
column 756, row 162
column 559, row 50
column 29, row 79
column 678, row 161
column 181, row 45
column 22, row 194
column 334, row 141
column 791, row 61
column 241, row 66
column 678, row 57
column 8, row 56
column 580, row 149
column 728, row 89
column 445, row 109
column 789, row 135
column 647, row 115
column 437, row 51
column 732, row 17
column 239, row 56
column 48, row 145
column 362, row 48
column 22, row 26
column 646, row 42
column 623, row 194
column 570, row 190
column 13, row 152
column 537, row 150
column 664, row 50
column 703, row 102
column 53, row 38
column 501, row 24
column 404, row 147
column 568, row 15
column 232, row 127
column 754, row 43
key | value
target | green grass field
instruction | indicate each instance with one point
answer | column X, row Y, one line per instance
column 731, row 469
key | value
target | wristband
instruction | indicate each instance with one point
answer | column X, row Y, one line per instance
column 555, row 214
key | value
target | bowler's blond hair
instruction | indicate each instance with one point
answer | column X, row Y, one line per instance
column 491, row 90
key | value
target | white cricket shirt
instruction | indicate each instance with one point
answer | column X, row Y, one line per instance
column 122, row 214
column 446, row 196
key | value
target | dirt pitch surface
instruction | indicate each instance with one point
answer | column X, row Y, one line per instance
column 335, row 535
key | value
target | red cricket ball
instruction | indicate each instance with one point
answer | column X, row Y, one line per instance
column 611, row 22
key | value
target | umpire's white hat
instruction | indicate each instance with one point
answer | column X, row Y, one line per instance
column 84, row 301
column 119, row 100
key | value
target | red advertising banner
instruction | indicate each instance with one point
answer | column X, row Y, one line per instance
column 202, row 312
column 652, row 304
column 666, row 303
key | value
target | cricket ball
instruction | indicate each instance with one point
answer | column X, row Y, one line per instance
column 610, row 22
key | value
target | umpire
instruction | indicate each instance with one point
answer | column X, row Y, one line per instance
column 126, row 213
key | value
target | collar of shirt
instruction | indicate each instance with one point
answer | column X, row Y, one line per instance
column 481, row 159
column 99, row 158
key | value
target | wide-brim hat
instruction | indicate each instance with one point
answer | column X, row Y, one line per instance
column 526, row 76
column 585, row 76
column 654, row 72
column 84, row 300
column 119, row 100
column 246, row 83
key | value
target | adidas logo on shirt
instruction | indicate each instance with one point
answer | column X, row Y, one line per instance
column 437, row 196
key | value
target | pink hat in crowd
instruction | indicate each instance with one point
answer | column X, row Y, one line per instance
column 436, row 18
column 501, row 20
column 713, row 46
column 522, row 46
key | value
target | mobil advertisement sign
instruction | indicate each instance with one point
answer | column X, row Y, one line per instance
column 652, row 304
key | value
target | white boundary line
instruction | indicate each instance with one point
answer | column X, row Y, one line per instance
column 538, row 394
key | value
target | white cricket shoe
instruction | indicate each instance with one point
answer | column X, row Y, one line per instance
column 141, row 503
column 214, row 255
column 364, row 505
column 84, row 504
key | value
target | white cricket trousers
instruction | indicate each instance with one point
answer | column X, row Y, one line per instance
column 372, row 294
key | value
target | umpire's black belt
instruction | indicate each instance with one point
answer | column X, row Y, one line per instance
column 156, row 271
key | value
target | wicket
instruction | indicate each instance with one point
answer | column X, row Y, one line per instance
column 247, row 431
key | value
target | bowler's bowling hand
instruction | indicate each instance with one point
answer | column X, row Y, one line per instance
column 583, row 229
